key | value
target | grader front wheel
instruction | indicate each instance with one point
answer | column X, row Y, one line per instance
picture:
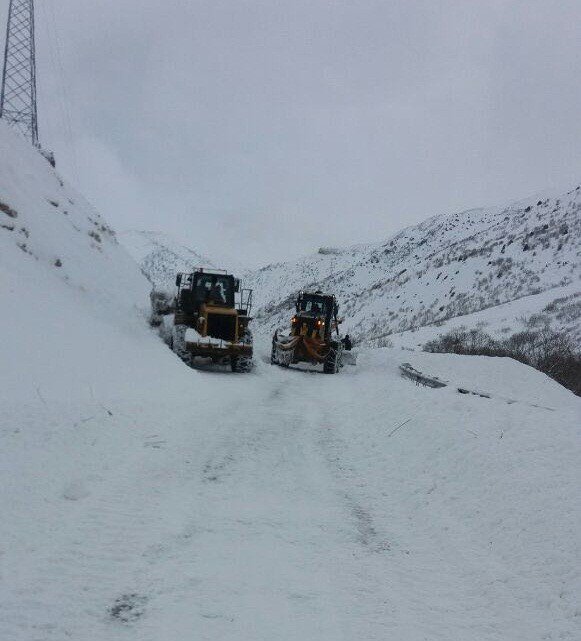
column 331, row 363
column 280, row 357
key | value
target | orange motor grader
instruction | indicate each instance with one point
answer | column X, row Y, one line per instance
column 314, row 334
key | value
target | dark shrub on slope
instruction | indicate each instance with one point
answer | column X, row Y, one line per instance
column 548, row 351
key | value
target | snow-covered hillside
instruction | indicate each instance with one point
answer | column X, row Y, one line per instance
column 557, row 309
column 447, row 266
column 146, row 501
column 46, row 225
column 523, row 259
column 73, row 301
column 161, row 258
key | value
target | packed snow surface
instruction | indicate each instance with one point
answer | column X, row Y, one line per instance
column 143, row 500
column 293, row 505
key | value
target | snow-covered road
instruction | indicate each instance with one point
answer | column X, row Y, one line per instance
column 287, row 505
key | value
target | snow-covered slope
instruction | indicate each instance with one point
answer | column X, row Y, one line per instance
column 445, row 267
column 47, row 225
column 557, row 309
column 160, row 257
column 73, row 301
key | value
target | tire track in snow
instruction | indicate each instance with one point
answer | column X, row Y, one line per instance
column 278, row 516
column 437, row 581
column 109, row 545
column 275, row 525
column 267, row 526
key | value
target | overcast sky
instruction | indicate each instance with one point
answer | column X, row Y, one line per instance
column 263, row 130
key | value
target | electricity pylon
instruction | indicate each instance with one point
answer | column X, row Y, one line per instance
column 18, row 95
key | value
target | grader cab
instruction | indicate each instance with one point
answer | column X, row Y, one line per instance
column 314, row 334
column 211, row 319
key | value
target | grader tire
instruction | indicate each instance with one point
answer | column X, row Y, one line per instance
column 178, row 343
column 331, row 363
column 241, row 364
column 275, row 357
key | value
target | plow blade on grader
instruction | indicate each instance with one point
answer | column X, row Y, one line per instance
column 287, row 350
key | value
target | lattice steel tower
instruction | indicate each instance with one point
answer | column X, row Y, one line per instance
column 18, row 95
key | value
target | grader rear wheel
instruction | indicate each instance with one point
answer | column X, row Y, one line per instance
column 178, row 343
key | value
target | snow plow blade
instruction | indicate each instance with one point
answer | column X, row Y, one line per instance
column 211, row 350
column 287, row 350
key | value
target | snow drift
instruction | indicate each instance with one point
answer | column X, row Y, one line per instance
column 73, row 301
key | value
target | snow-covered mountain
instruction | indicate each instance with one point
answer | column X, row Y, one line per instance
column 522, row 260
column 445, row 267
column 160, row 257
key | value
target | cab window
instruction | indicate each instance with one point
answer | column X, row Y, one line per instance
column 214, row 288
column 312, row 306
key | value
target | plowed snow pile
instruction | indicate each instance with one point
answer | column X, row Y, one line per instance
column 70, row 294
column 142, row 500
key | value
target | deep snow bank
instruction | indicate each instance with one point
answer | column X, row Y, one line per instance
column 71, row 297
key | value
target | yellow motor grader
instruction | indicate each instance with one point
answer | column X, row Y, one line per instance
column 211, row 319
column 314, row 334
